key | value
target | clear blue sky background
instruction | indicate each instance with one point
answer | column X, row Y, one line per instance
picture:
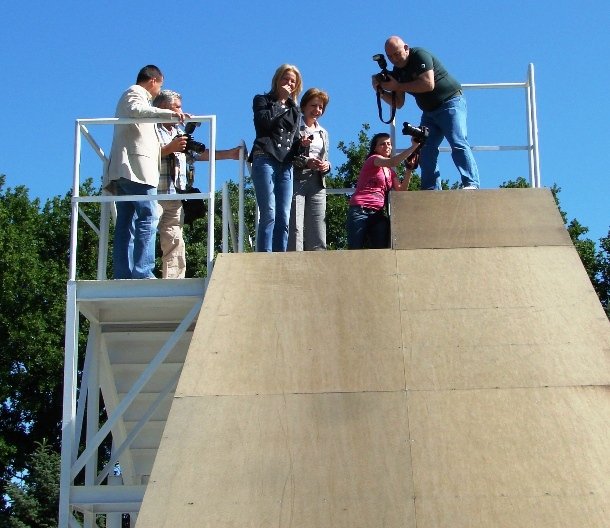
column 72, row 59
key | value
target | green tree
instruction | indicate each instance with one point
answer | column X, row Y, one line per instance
column 34, row 498
column 34, row 244
column 603, row 277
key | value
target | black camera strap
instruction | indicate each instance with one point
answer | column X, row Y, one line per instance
column 393, row 106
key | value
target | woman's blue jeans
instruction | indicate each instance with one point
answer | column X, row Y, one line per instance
column 447, row 121
column 133, row 254
column 273, row 187
column 367, row 225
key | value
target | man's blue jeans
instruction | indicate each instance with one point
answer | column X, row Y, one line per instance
column 273, row 187
column 134, row 233
column 449, row 121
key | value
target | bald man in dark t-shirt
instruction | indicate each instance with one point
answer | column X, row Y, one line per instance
column 439, row 96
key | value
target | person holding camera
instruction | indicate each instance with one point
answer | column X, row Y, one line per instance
column 366, row 218
column 175, row 147
column 308, row 212
column 276, row 123
column 134, row 169
column 439, row 96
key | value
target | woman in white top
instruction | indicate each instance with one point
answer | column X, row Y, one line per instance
column 307, row 230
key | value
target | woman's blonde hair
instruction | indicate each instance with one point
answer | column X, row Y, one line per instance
column 298, row 88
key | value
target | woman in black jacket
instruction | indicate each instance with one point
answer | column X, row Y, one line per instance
column 276, row 122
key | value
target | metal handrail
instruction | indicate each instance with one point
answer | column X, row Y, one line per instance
column 106, row 200
column 531, row 120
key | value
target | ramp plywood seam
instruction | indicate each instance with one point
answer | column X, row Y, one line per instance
column 402, row 322
column 403, row 339
column 410, row 465
column 265, row 394
column 513, row 388
column 406, row 390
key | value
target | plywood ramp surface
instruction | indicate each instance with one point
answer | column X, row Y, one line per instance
column 511, row 457
column 500, row 317
column 446, row 388
column 298, row 460
column 485, row 218
column 298, row 323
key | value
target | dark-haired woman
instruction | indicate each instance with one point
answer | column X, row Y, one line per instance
column 366, row 218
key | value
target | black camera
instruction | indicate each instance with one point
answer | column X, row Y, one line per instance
column 420, row 134
column 384, row 75
column 191, row 144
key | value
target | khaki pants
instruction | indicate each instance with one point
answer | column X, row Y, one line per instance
column 172, row 242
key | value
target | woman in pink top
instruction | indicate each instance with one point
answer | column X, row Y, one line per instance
column 366, row 219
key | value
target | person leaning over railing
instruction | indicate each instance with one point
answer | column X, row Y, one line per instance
column 134, row 169
column 173, row 178
column 308, row 212
column 366, row 218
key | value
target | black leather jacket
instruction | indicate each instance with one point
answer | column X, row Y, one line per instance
column 276, row 127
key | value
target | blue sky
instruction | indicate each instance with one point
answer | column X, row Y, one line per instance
column 67, row 60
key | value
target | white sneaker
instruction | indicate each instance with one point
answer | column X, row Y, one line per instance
column 468, row 187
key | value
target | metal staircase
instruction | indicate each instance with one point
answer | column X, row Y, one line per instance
column 139, row 333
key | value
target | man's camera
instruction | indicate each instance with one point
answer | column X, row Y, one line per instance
column 420, row 134
column 191, row 144
column 384, row 75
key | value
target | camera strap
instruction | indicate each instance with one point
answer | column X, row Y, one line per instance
column 393, row 107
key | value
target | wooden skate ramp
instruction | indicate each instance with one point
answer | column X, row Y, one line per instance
column 486, row 218
column 430, row 388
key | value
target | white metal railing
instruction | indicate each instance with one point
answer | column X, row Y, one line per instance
column 81, row 128
column 531, row 147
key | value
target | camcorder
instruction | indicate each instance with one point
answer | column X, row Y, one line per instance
column 384, row 74
column 191, row 144
column 420, row 134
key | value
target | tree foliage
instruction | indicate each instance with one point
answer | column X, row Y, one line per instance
column 34, row 244
column 35, row 498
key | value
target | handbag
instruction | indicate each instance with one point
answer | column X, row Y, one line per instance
column 193, row 208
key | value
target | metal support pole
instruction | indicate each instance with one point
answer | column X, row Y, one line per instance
column 103, row 242
column 93, row 406
column 75, row 193
column 114, row 520
column 212, row 185
column 69, row 443
column 240, row 214
column 534, row 119
column 226, row 211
